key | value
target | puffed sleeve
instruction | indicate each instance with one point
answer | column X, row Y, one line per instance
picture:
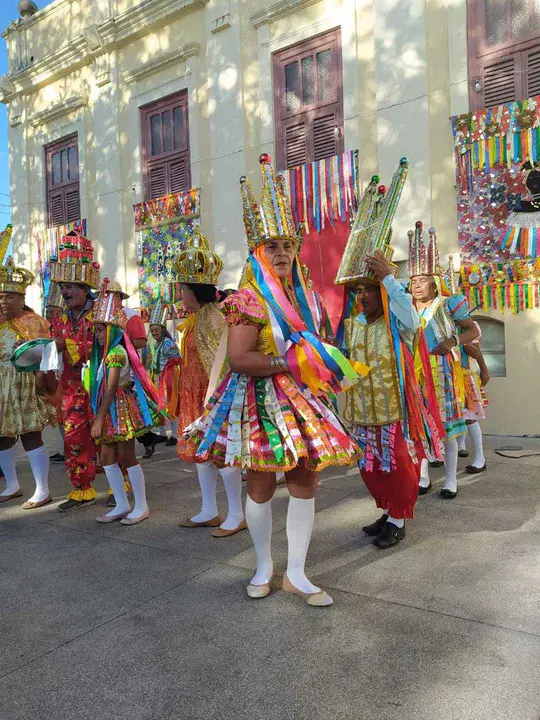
column 243, row 308
column 170, row 349
column 116, row 357
column 458, row 307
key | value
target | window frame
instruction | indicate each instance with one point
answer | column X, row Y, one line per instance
column 164, row 159
column 306, row 113
column 487, row 353
column 480, row 55
column 50, row 149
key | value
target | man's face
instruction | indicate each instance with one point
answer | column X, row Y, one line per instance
column 74, row 295
column 11, row 304
column 423, row 288
column 371, row 300
column 156, row 331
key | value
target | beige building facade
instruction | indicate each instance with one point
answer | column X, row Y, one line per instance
column 87, row 67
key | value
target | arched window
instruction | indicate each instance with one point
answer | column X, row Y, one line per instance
column 493, row 345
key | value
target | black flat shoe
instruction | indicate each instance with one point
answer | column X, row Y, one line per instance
column 170, row 442
column 390, row 535
column 448, row 494
column 71, row 504
column 436, row 463
column 463, row 453
column 472, row 470
column 375, row 528
column 58, row 458
column 149, row 449
column 424, row 490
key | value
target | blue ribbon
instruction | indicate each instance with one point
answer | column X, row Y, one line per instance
column 222, row 412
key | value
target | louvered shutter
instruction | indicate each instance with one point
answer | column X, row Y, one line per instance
column 531, row 61
column 501, row 81
column 72, row 205
column 157, row 181
column 56, row 208
column 178, row 175
column 295, row 141
column 326, row 135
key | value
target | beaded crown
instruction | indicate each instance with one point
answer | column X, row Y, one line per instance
column 5, row 237
column 197, row 263
column 159, row 314
column 74, row 263
column 14, row 279
column 423, row 259
column 272, row 217
column 372, row 228
column 108, row 307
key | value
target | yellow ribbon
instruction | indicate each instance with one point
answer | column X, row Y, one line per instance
column 185, row 327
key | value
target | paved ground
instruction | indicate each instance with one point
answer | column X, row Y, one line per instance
column 152, row 621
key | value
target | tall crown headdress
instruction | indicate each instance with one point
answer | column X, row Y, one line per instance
column 272, row 217
column 159, row 314
column 452, row 280
column 5, row 237
column 108, row 307
column 197, row 263
column 372, row 228
column 75, row 262
column 423, row 259
column 14, row 279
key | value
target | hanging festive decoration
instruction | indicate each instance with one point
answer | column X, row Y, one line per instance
column 323, row 191
column 500, row 286
column 48, row 241
column 498, row 180
column 170, row 207
column 161, row 233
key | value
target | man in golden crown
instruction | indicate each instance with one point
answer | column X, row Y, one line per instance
column 271, row 412
column 198, row 270
column 23, row 413
column 448, row 327
column 76, row 273
column 385, row 410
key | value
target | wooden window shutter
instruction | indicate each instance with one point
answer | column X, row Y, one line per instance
column 326, row 138
column 501, row 81
column 532, row 65
column 56, row 208
column 62, row 181
column 308, row 100
column 166, row 162
column 178, row 175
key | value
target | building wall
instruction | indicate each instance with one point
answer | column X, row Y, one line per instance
column 404, row 74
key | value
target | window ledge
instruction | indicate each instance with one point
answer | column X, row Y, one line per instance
column 58, row 110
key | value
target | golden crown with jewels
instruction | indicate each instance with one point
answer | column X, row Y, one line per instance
column 14, row 279
column 197, row 263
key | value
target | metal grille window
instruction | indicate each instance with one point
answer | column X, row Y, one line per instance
column 504, row 51
column 493, row 345
column 165, row 146
column 62, row 184
column 308, row 100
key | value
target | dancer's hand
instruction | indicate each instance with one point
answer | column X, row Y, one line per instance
column 380, row 265
column 95, row 432
column 444, row 347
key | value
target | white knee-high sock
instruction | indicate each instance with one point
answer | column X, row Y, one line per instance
column 39, row 462
column 450, row 465
column 207, row 474
column 7, row 463
column 398, row 522
column 115, row 478
column 475, row 432
column 136, row 478
column 424, row 473
column 259, row 522
column 232, row 479
column 300, row 517
column 462, row 441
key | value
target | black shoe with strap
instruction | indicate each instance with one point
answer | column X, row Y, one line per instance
column 424, row 490
column 389, row 536
column 473, row 470
column 463, row 453
column 448, row 494
column 375, row 528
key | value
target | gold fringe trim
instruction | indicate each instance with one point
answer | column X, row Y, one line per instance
column 79, row 494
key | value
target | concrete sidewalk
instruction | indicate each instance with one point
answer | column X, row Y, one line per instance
column 152, row 621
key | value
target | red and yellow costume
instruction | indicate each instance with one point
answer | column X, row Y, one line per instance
column 75, row 266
